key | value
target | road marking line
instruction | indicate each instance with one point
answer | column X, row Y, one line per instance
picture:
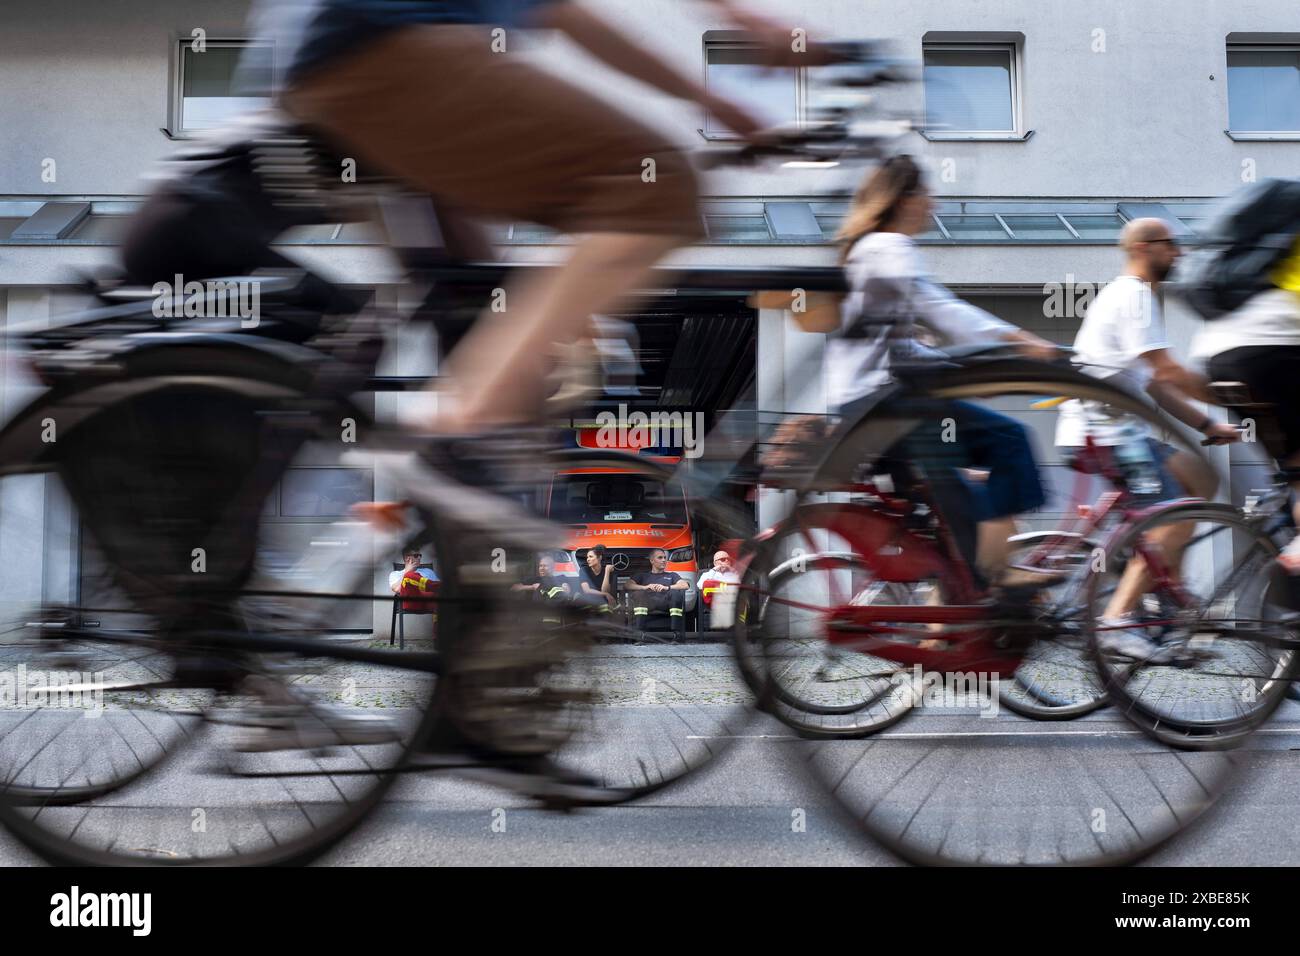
column 917, row 735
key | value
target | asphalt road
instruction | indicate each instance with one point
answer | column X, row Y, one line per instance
column 759, row 803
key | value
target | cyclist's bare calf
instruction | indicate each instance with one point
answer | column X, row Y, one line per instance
column 497, row 374
column 1169, row 540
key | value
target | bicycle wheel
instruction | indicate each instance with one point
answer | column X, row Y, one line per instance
column 87, row 709
column 89, row 701
column 263, row 675
column 629, row 710
column 966, row 782
column 796, row 577
column 1056, row 680
column 1224, row 661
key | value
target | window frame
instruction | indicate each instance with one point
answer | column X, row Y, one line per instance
column 1017, row 132
column 718, row 40
column 1256, row 135
column 275, row 497
column 176, row 88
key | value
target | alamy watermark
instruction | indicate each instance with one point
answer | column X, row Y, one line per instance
column 212, row 298
column 1070, row 300
column 951, row 689
column 626, row 429
column 29, row 689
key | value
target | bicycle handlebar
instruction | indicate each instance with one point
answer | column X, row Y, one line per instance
column 839, row 129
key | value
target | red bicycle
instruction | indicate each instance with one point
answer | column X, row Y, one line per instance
column 862, row 606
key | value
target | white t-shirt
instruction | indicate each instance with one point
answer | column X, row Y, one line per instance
column 1123, row 324
column 729, row 577
column 887, row 278
column 397, row 576
column 1268, row 318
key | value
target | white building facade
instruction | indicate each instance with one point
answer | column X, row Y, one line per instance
column 1044, row 125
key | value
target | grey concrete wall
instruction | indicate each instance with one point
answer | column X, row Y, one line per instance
column 86, row 83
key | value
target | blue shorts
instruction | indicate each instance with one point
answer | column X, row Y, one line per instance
column 1170, row 487
column 985, row 439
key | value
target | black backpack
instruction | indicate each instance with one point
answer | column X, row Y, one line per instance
column 1249, row 235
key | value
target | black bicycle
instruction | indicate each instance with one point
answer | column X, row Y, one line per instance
column 209, row 690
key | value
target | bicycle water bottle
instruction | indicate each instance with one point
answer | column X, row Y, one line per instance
column 1135, row 461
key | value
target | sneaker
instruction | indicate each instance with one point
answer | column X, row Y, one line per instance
column 1028, row 580
column 1290, row 557
column 538, row 777
column 282, row 718
column 1129, row 641
column 318, row 729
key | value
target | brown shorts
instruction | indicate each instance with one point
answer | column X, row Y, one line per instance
column 494, row 136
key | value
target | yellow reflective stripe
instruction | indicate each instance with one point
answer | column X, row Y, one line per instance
column 554, row 591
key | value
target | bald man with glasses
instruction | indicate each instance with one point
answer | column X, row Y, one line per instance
column 1122, row 338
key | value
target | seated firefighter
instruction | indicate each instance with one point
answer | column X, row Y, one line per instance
column 657, row 591
column 596, row 582
column 547, row 589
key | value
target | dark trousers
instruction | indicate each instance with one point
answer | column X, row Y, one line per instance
column 594, row 602
column 672, row 602
column 1273, row 376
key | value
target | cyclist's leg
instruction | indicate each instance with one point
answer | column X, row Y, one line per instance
column 1180, row 475
column 497, row 373
column 1001, row 445
column 500, row 138
column 1273, row 376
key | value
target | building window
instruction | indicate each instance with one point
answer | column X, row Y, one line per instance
column 773, row 95
column 226, row 78
column 971, row 89
column 324, row 492
column 1264, row 89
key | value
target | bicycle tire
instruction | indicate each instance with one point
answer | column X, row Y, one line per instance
column 874, row 702
column 654, row 709
column 1188, row 731
column 953, row 789
column 1037, row 696
column 59, row 830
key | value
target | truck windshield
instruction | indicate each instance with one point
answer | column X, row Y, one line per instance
column 602, row 499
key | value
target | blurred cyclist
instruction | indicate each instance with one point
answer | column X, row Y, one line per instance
column 886, row 278
column 431, row 92
column 1259, row 345
column 1122, row 338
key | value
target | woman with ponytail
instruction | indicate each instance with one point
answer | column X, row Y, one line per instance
column 890, row 305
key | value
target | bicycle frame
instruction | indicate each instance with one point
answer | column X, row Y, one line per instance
column 971, row 633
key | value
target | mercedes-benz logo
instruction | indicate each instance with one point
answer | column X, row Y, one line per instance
column 620, row 561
